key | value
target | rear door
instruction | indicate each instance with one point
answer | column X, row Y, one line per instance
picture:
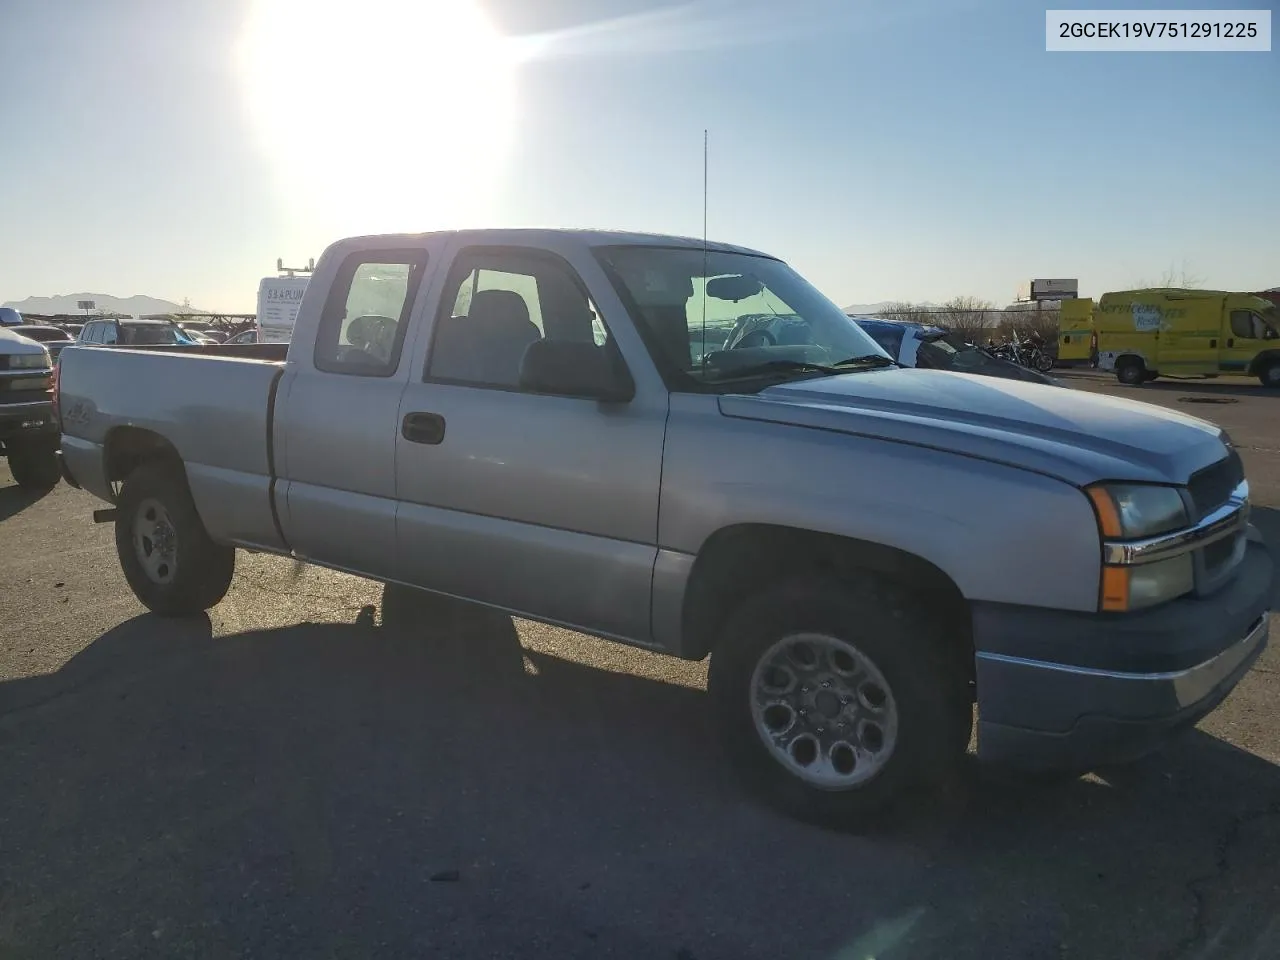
column 1075, row 330
column 337, row 413
column 1189, row 335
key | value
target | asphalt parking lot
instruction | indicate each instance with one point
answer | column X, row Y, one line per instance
column 309, row 772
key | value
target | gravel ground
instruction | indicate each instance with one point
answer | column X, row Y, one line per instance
column 308, row 772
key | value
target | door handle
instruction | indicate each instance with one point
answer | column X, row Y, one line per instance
column 419, row 427
column 1231, row 342
column 1213, row 344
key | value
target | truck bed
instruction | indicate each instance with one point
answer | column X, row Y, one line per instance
column 212, row 403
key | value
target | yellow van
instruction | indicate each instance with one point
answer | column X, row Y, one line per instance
column 1075, row 332
column 1143, row 334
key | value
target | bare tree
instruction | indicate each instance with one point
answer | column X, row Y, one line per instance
column 1182, row 277
column 968, row 317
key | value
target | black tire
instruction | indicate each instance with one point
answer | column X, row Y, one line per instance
column 1044, row 363
column 927, row 683
column 201, row 570
column 1131, row 373
column 1269, row 376
column 34, row 463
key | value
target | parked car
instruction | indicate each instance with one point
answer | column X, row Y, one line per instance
column 244, row 336
column 54, row 338
column 203, row 331
column 28, row 428
column 930, row 347
column 864, row 551
column 134, row 332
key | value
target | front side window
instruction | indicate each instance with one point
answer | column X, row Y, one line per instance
column 365, row 318
column 716, row 317
column 500, row 303
column 1248, row 325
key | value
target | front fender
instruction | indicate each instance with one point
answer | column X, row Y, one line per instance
column 1000, row 533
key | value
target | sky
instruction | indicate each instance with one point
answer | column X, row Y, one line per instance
column 914, row 150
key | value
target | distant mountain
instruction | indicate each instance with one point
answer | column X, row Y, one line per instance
column 871, row 309
column 866, row 309
column 135, row 306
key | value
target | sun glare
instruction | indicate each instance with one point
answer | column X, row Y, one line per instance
column 380, row 115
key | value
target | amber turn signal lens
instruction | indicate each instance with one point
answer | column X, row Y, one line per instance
column 1115, row 589
column 1105, row 507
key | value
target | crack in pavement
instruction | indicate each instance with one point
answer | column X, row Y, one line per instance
column 1199, row 887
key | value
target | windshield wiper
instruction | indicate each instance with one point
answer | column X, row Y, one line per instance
column 805, row 366
column 868, row 360
column 782, row 366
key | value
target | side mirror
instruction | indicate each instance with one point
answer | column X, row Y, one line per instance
column 574, row 369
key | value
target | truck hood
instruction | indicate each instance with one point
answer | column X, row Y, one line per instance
column 11, row 343
column 1075, row 436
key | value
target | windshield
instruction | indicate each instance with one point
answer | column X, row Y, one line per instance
column 1271, row 317
column 44, row 334
column 950, row 352
column 715, row 317
column 158, row 334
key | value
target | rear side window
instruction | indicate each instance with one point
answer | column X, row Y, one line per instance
column 363, row 326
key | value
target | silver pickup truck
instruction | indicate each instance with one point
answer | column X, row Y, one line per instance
column 531, row 420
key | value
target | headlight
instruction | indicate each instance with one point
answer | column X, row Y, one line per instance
column 1132, row 511
column 30, row 361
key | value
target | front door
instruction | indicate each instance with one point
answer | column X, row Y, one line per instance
column 541, row 504
column 1245, row 336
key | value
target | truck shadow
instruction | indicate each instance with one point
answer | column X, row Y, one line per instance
column 306, row 784
column 1199, row 389
column 1267, row 520
column 14, row 499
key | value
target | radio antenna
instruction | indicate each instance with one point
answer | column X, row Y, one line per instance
column 704, row 251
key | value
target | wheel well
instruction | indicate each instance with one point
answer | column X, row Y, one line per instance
column 741, row 559
column 1128, row 358
column 1262, row 361
column 127, row 448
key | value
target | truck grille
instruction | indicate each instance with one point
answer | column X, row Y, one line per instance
column 1211, row 487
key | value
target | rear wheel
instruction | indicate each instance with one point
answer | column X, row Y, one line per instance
column 1270, row 375
column 1131, row 372
column 835, row 698
column 172, row 565
column 34, row 463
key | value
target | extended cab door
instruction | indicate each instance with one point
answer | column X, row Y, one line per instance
column 540, row 504
column 336, row 409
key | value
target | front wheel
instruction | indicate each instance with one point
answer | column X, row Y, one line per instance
column 172, row 565
column 34, row 463
column 1270, row 375
column 835, row 698
column 1044, row 362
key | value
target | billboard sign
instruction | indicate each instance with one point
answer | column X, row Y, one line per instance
column 278, row 302
column 1054, row 290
